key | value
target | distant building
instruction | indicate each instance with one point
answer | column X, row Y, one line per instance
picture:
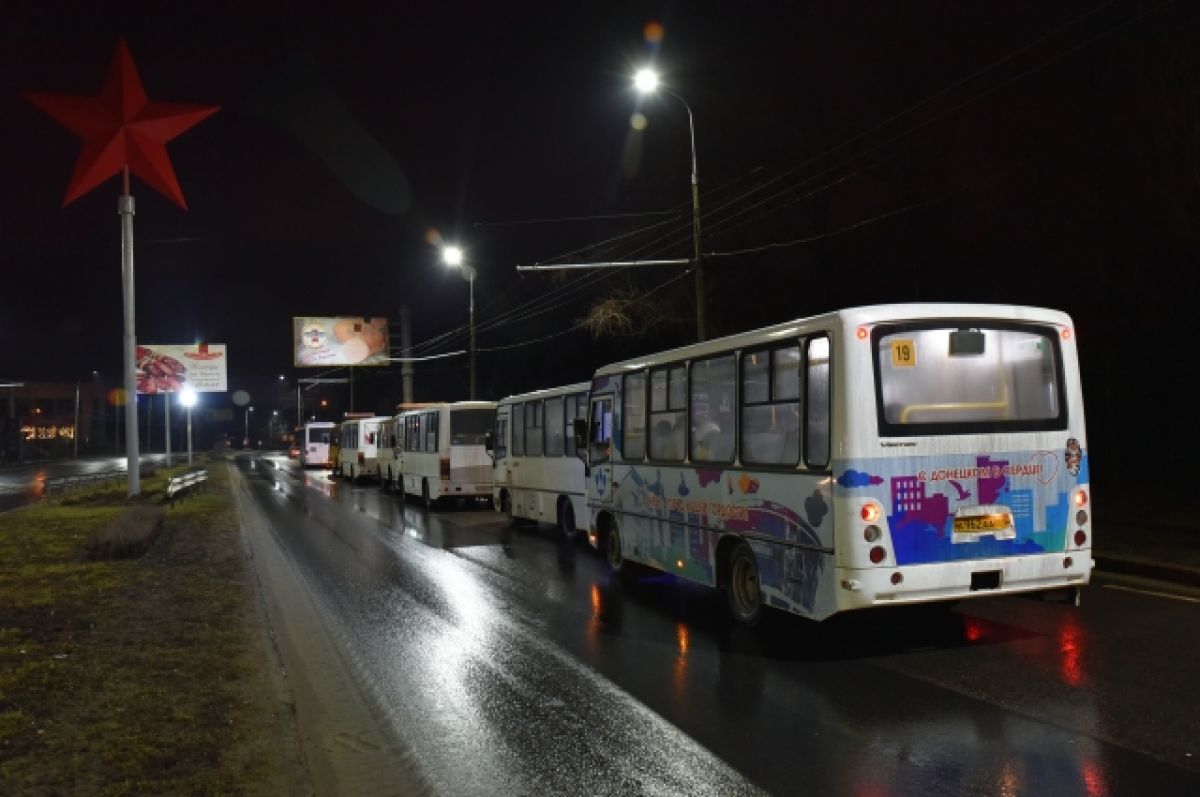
column 38, row 419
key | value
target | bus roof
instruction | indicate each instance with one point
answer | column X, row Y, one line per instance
column 846, row 318
column 548, row 392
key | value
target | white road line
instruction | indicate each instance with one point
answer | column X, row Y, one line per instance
column 1167, row 595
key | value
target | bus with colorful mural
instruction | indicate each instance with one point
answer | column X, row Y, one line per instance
column 872, row 456
column 537, row 474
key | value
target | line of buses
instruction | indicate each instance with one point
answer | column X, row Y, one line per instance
column 867, row 457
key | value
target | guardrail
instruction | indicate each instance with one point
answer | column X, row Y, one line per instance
column 64, row 484
column 185, row 484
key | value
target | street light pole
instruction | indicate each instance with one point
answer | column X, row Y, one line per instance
column 471, row 323
column 453, row 257
column 646, row 82
column 188, row 399
column 246, row 432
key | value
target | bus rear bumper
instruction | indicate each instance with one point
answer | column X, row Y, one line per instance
column 948, row 581
column 468, row 490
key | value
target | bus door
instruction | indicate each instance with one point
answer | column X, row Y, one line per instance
column 500, row 446
column 599, row 470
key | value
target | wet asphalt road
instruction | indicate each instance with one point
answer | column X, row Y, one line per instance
column 25, row 484
column 512, row 663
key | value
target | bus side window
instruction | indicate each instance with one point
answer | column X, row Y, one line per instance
column 817, row 422
column 633, row 417
column 517, row 424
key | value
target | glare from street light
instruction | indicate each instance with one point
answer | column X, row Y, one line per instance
column 452, row 256
column 187, row 397
column 645, row 81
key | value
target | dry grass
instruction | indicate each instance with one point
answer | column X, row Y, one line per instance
column 133, row 676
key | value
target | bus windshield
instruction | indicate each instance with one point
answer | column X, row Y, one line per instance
column 470, row 427
column 950, row 378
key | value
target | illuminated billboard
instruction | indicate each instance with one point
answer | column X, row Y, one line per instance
column 351, row 340
column 167, row 368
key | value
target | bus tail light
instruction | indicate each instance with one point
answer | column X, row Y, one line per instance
column 872, row 533
column 1080, row 498
column 1080, row 537
column 878, row 554
column 444, row 468
column 897, row 578
column 871, row 512
column 362, row 460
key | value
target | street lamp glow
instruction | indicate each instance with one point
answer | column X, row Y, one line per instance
column 452, row 256
column 645, row 81
column 187, row 397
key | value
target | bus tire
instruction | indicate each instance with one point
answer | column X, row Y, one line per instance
column 743, row 590
column 612, row 549
column 426, row 499
column 566, row 519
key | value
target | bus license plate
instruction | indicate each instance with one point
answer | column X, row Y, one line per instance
column 981, row 523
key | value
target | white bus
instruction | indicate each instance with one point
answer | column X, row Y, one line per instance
column 443, row 453
column 387, row 452
column 358, row 458
column 538, row 475
column 314, row 447
column 868, row 457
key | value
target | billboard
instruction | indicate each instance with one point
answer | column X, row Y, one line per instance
column 167, row 368
column 351, row 340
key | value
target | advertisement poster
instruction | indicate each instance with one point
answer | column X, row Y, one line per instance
column 340, row 341
column 168, row 368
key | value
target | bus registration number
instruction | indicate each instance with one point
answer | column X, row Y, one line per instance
column 981, row 523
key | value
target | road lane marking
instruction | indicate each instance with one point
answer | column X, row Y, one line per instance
column 1167, row 595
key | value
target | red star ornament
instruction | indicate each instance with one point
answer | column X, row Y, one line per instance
column 120, row 128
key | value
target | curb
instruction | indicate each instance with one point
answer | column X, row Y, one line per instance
column 1187, row 577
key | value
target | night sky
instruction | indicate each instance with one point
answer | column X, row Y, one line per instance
column 1041, row 153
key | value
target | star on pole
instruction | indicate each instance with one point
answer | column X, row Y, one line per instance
column 121, row 128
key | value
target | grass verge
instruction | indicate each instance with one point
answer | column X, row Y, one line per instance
column 143, row 675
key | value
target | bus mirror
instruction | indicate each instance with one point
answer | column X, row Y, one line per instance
column 488, row 444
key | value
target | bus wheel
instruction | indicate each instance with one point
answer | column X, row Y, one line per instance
column 612, row 548
column 566, row 519
column 426, row 498
column 742, row 589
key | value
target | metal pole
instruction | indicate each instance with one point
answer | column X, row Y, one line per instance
column 246, row 430
column 299, row 410
column 167, row 422
column 699, row 266
column 76, row 419
column 189, row 436
column 125, row 209
column 471, row 324
column 406, row 369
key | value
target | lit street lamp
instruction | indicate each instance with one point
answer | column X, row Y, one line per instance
column 646, row 81
column 188, row 399
column 452, row 256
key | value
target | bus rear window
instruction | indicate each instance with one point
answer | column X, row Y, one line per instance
column 963, row 378
column 470, row 427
